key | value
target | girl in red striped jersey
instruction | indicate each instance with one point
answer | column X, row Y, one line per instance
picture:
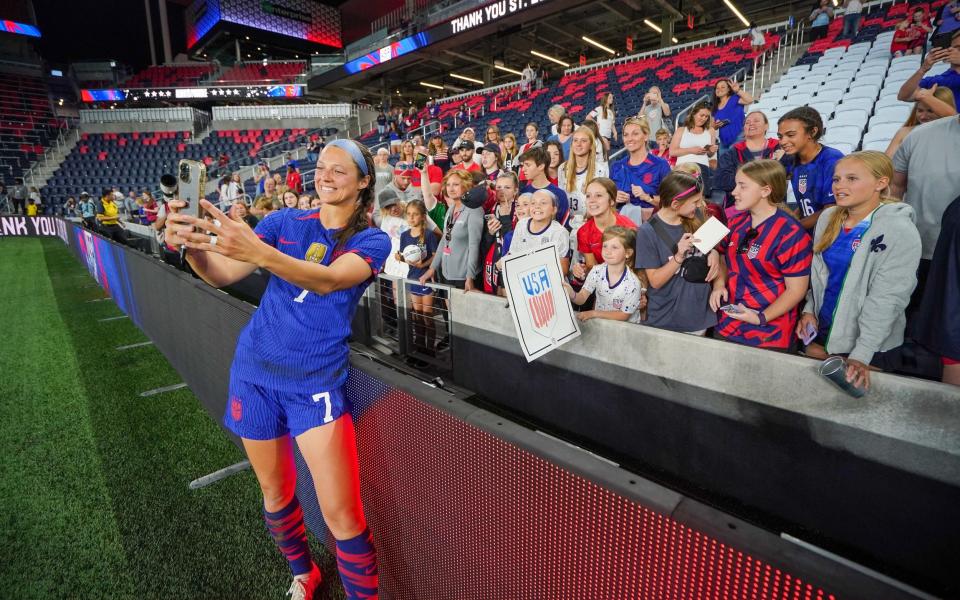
column 767, row 262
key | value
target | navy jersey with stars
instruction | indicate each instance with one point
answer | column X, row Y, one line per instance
column 298, row 339
column 811, row 184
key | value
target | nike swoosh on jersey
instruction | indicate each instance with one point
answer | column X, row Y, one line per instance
column 287, row 242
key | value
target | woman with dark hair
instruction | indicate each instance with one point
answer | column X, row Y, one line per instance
column 290, row 368
column 679, row 291
column 820, row 19
column 728, row 112
column 564, row 134
column 696, row 141
column 809, row 164
column 606, row 119
column 556, row 153
column 438, row 151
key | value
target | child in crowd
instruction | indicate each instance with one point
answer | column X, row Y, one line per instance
column 290, row 199
column 535, row 162
column 421, row 297
column 679, row 288
column 31, row 208
column 541, row 228
column 866, row 253
column 663, row 147
column 304, row 202
column 619, row 294
column 767, row 262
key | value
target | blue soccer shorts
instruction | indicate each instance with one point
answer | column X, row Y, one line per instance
column 258, row 413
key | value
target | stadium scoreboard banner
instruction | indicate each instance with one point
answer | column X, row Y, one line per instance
column 233, row 92
column 305, row 20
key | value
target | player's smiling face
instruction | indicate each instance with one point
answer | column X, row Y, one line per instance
column 633, row 137
column 336, row 177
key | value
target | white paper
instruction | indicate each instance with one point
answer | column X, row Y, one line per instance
column 710, row 234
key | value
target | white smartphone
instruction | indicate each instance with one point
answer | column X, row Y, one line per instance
column 192, row 181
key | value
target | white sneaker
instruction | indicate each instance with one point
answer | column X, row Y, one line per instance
column 305, row 585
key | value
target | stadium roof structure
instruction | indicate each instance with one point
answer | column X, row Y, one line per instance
column 492, row 51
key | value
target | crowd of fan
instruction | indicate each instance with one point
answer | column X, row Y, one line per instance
column 827, row 254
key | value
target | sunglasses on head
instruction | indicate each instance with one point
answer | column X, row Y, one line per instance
column 745, row 242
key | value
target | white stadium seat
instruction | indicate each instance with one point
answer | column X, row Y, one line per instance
column 844, row 147
column 843, row 133
column 865, row 104
column 882, row 131
column 886, row 101
column 825, row 108
column 850, row 116
column 880, row 145
column 830, row 94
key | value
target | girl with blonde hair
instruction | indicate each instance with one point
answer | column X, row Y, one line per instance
column 638, row 176
column 866, row 253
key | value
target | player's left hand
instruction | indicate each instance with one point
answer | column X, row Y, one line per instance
column 224, row 236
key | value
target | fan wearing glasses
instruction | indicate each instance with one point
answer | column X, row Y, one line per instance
column 767, row 262
column 458, row 256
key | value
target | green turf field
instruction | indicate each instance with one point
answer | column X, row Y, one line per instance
column 93, row 478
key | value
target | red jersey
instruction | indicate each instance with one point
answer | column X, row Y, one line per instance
column 294, row 182
column 434, row 174
column 590, row 238
column 473, row 167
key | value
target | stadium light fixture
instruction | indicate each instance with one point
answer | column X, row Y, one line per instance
column 508, row 69
column 674, row 40
column 652, row 25
column 431, row 85
column 550, row 58
column 465, row 78
column 739, row 14
column 598, row 45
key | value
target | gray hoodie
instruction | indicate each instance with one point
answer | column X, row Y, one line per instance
column 869, row 314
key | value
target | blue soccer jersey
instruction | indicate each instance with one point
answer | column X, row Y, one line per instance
column 297, row 339
column 647, row 175
column 811, row 184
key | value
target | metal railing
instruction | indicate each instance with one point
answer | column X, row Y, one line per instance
column 294, row 111
column 765, row 66
column 672, row 49
column 139, row 115
column 65, row 135
column 394, row 323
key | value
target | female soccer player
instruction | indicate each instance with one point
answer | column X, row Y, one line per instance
column 809, row 163
column 866, row 253
column 619, row 295
column 288, row 373
column 767, row 262
column 639, row 174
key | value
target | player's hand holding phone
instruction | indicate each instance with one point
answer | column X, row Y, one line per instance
column 220, row 234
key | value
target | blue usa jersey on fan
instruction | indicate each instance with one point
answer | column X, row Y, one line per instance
column 811, row 185
column 301, row 337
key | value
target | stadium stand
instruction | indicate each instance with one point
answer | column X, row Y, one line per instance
column 27, row 124
column 848, row 83
column 171, row 75
column 273, row 72
column 683, row 77
column 135, row 161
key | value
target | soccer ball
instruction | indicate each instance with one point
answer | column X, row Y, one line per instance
column 412, row 254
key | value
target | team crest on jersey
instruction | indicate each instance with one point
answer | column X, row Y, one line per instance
column 539, row 294
column 648, row 177
column 754, row 251
column 316, row 252
column 802, row 184
column 855, row 244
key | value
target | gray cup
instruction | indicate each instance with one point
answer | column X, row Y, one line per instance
column 835, row 370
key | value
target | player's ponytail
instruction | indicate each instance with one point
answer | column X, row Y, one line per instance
column 358, row 220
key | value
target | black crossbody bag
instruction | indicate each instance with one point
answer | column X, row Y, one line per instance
column 693, row 268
